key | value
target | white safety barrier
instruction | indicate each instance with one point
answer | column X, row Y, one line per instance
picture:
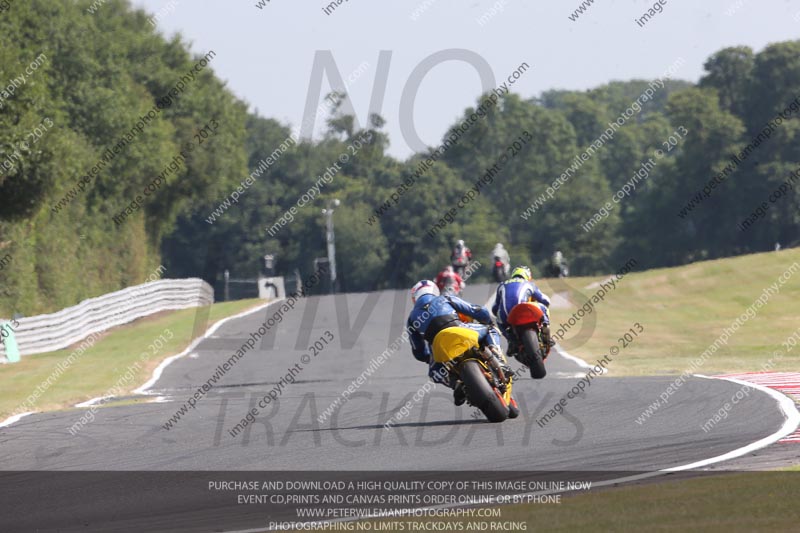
column 47, row 333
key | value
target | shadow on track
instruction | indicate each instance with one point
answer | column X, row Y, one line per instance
column 404, row 425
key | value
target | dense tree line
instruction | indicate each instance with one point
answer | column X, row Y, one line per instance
column 101, row 73
column 697, row 129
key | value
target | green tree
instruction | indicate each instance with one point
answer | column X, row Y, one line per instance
column 730, row 72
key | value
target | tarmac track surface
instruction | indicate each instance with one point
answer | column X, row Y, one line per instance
column 597, row 432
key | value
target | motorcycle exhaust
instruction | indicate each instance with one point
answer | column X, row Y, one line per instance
column 489, row 357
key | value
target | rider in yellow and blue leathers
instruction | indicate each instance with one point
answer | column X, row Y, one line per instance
column 518, row 289
column 431, row 314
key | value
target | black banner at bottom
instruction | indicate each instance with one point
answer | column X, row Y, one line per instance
column 315, row 501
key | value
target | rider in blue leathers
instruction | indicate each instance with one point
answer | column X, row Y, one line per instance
column 518, row 289
column 431, row 314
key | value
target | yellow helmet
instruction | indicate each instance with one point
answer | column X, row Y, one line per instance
column 522, row 272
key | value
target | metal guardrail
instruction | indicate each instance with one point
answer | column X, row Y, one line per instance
column 55, row 331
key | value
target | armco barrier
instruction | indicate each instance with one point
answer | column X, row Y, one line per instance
column 46, row 333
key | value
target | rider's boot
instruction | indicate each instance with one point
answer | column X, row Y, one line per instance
column 547, row 340
column 459, row 395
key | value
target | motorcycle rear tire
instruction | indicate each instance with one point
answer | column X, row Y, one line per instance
column 481, row 394
column 498, row 276
column 533, row 354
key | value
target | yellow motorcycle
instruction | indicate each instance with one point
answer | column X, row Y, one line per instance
column 486, row 385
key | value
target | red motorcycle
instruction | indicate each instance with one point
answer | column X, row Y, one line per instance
column 526, row 320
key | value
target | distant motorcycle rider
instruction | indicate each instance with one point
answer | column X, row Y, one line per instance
column 518, row 289
column 449, row 281
column 433, row 313
column 460, row 257
column 558, row 265
column 500, row 255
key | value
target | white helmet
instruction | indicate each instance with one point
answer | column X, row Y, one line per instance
column 422, row 288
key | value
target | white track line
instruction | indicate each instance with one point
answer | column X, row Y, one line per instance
column 786, row 404
column 791, row 423
column 160, row 368
column 577, row 360
column 14, row 418
column 166, row 362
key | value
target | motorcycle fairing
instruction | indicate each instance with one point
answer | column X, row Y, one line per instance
column 453, row 342
column 525, row 314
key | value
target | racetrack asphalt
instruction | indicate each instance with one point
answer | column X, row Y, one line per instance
column 597, row 431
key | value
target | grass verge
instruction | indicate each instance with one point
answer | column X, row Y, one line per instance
column 683, row 310
column 740, row 502
column 114, row 360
